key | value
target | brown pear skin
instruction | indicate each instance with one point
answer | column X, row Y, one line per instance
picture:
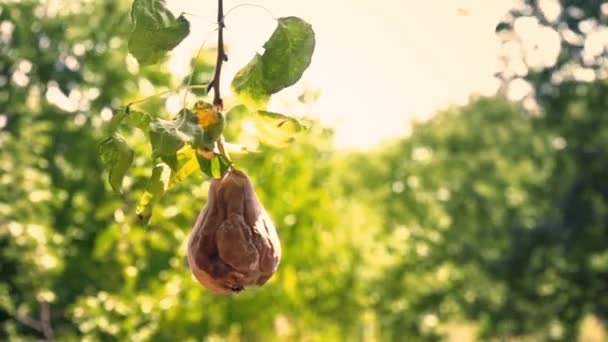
column 233, row 244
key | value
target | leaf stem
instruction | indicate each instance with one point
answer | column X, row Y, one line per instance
column 221, row 57
column 164, row 92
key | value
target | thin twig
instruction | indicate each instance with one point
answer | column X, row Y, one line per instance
column 221, row 57
column 200, row 49
column 192, row 73
column 165, row 92
column 148, row 97
column 250, row 5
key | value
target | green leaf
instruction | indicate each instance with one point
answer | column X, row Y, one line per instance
column 116, row 157
column 156, row 31
column 105, row 241
column 277, row 129
column 271, row 128
column 131, row 118
column 138, row 119
column 215, row 167
column 116, row 121
column 212, row 133
column 187, row 163
column 170, row 160
column 166, row 138
column 287, row 54
column 234, row 126
column 156, row 187
column 248, row 84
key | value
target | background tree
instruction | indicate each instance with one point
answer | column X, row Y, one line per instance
column 520, row 241
column 455, row 199
column 572, row 94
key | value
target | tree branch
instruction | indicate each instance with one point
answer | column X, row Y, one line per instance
column 43, row 325
column 28, row 322
column 45, row 320
column 221, row 57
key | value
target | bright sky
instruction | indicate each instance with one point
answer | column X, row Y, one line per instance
column 378, row 63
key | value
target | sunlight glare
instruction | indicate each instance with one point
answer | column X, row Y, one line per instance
column 378, row 64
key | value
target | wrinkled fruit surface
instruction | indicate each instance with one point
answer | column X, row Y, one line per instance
column 233, row 243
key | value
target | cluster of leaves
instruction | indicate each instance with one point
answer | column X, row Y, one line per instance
column 67, row 241
column 194, row 137
column 174, row 142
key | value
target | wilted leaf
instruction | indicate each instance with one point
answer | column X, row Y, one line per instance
column 156, row 31
column 156, row 187
column 287, row 55
column 116, row 157
column 167, row 137
column 276, row 129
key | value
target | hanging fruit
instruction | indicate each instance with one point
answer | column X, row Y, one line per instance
column 233, row 243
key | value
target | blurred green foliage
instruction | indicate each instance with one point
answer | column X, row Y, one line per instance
column 489, row 214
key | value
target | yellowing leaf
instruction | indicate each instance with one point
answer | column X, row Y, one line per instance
column 186, row 165
column 206, row 118
column 211, row 121
column 277, row 129
column 206, row 113
column 155, row 189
